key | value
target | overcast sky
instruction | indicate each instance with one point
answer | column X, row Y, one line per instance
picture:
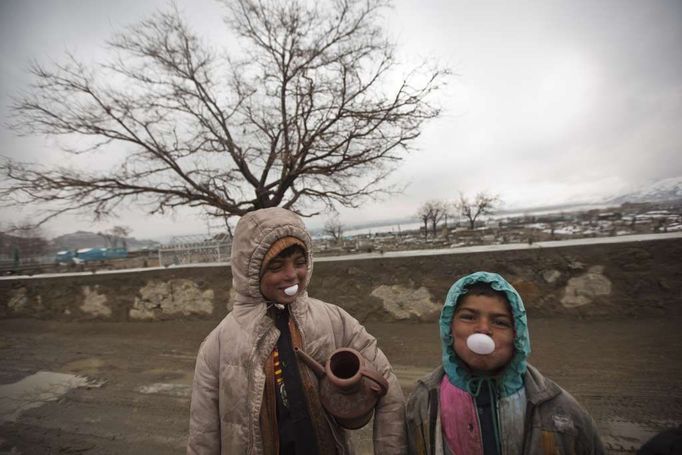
column 552, row 101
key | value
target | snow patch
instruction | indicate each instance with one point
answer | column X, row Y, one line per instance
column 37, row 389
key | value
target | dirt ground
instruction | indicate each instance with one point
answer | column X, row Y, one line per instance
column 625, row 372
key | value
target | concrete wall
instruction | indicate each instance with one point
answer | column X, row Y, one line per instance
column 607, row 280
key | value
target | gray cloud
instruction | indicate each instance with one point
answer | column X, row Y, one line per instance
column 553, row 100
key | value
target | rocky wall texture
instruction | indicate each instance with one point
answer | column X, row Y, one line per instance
column 199, row 293
column 609, row 280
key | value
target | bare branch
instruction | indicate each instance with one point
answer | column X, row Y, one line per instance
column 434, row 212
column 483, row 204
column 306, row 116
column 334, row 229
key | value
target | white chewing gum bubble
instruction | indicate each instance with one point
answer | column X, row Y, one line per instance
column 291, row 290
column 481, row 344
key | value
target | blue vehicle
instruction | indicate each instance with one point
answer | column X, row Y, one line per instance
column 117, row 253
column 64, row 257
column 89, row 255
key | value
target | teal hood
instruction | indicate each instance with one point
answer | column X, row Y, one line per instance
column 511, row 379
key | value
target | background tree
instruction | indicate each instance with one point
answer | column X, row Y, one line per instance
column 438, row 212
column 334, row 229
column 482, row 204
column 306, row 116
column 424, row 214
column 23, row 240
column 447, row 213
column 432, row 212
column 115, row 235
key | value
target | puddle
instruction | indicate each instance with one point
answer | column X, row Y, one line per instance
column 624, row 435
column 179, row 355
column 160, row 388
column 91, row 365
column 35, row 390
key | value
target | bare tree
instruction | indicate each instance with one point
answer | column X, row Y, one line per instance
column 309, row 115
column 115, row 235
column 439, row 211
column 483, row 204
column 432, row 212
column 334, row 229
column 424, row 214
column 23, row 239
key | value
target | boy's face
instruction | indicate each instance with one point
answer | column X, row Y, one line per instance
column 281, row 273
column 489, row 315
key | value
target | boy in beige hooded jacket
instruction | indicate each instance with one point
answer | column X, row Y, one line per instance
column 236, row 399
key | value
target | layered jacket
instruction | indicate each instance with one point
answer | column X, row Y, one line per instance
column 228, row 412
column 554, row 423
column 533, row 415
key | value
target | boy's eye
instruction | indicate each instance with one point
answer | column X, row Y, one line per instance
column 274, row 266
column 466, row 316
column 502, row 323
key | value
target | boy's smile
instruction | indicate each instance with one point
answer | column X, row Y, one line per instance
column 282, row 273
column 488, row 315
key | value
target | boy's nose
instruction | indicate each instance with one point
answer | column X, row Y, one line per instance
column 484, row 326
column 290, row 271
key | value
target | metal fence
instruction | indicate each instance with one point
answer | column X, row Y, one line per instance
column 24, row 264
column 195, row 249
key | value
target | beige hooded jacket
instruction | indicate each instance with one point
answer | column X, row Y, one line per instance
column 229, row 379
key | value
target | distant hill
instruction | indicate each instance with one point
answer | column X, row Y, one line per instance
column 84, row 239
column 661, row 191
column 80, row 239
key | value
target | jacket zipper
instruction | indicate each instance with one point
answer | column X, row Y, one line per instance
column 478, row 423
column 530, row 409
column 496, row 422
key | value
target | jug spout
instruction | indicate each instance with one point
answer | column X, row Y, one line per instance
column 312, row 363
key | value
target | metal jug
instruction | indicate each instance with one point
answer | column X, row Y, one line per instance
column 349, row 386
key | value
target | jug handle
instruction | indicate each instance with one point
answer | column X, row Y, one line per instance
column 377, row 378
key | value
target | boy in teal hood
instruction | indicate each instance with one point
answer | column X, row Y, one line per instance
column 485, row 399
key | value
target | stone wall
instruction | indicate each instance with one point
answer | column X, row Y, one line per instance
column 135, row 296
column 640, row 279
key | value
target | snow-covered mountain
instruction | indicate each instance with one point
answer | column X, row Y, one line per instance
column 663, row 190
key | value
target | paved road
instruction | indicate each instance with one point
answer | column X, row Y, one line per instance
column 111, row 388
